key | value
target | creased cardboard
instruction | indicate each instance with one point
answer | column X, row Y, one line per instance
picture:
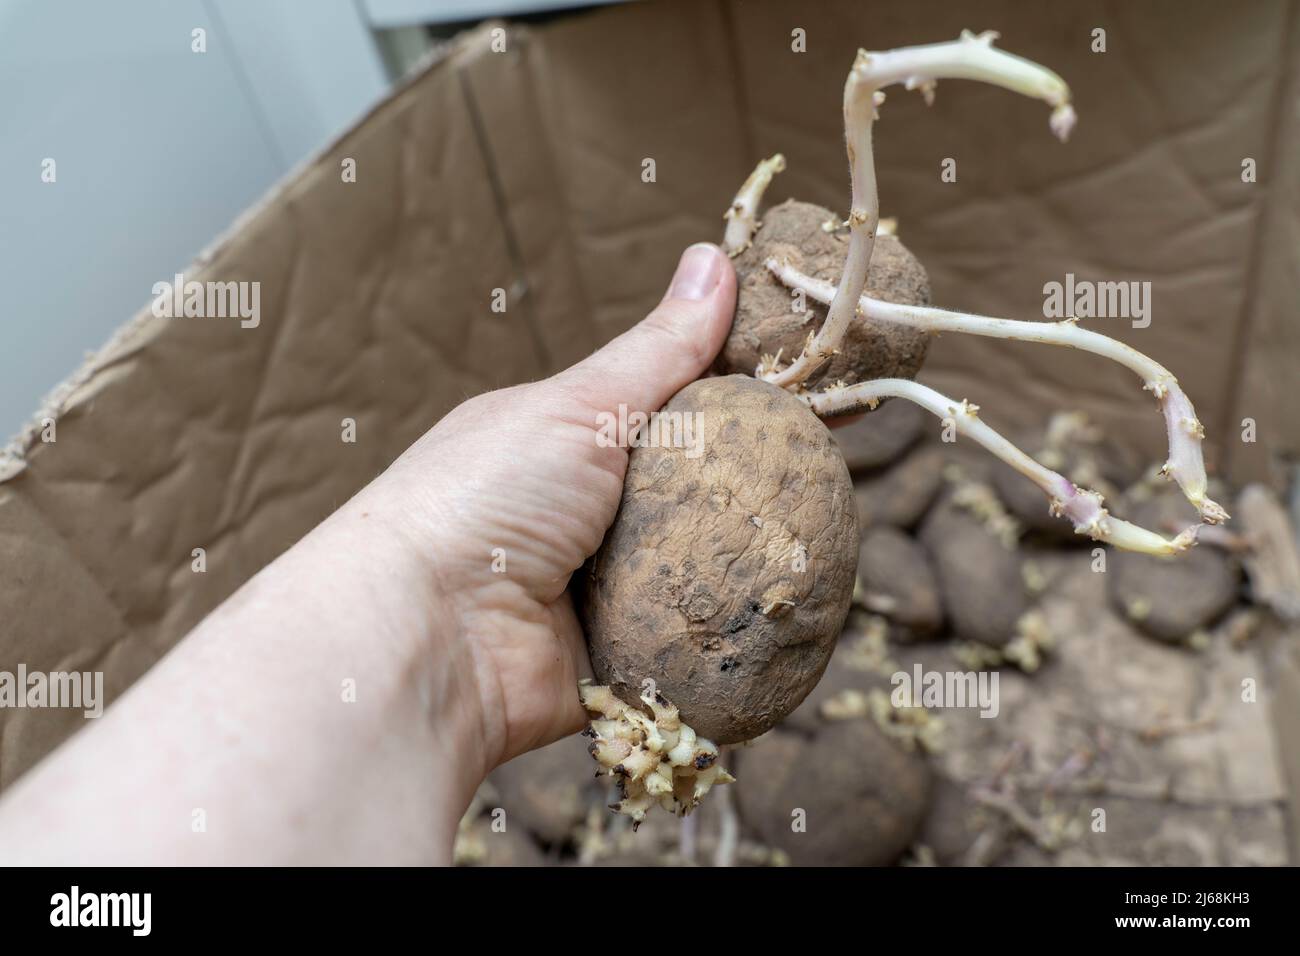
column 529, row 171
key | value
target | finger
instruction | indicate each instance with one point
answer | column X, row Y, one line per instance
column 671, row 347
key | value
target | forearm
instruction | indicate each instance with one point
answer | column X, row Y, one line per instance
column 324, row 713
column 441, row 590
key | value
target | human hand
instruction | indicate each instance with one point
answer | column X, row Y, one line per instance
column 457, row 667
column 511, row 492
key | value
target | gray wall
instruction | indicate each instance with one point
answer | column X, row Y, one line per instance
column 157, row 150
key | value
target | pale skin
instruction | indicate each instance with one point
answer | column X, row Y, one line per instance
column 243, row 725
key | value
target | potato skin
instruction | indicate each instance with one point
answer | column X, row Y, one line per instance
column 864, row 796
column 765, row 321
column 1178, row 596
column 701, row 545
column 980, row 581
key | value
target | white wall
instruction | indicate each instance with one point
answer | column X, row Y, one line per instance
column 399, row 13
column 157, row 150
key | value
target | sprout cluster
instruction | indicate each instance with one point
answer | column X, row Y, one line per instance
column 656, row 760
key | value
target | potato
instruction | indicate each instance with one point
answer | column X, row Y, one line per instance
column 951, row 826
column 859, row 797
column 980, row 580
column 727, row 575
column 899, row 582
column 1164, row 598
column 842, row 674
column 882, row 437
column 767, row 323
column 900, row 495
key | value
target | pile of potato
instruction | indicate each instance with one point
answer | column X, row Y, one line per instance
column 1122, row 735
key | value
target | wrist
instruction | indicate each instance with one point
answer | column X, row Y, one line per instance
column 429, row 627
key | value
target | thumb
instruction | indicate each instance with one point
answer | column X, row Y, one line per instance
column 671, row 347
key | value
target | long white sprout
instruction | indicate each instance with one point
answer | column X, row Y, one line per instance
column 971, row 57
column 1082, row 507
column 918, row 67
column 742, row 214
column 1185, row 464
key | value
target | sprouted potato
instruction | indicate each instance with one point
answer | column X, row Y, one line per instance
column 695, row 607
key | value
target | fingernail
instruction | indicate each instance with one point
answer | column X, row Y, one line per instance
column 698, row 272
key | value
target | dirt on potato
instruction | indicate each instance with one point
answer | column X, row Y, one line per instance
column 728, row 572
column 766, row 321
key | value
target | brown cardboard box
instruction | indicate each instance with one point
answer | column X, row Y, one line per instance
column 521, row 170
